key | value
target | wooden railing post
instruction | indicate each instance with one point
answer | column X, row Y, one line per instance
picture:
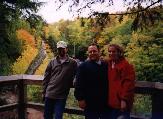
column 22, row 99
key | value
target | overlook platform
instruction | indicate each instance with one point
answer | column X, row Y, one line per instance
column 155, row 89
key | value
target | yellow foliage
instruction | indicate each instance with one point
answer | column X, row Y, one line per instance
column 42, row 67
column 22, row 63
column 33, row 30
column 54, row 31
column 101, row 41
column 46, row 31
column 38, row 42
column 141, row 37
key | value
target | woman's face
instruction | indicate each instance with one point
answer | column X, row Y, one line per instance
column 113, row 53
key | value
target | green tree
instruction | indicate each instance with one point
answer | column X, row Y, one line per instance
column 11, row 12
column 145, row 51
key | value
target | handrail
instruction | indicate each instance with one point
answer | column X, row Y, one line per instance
column 8, row 107
column 36, row 79
column 142, row 87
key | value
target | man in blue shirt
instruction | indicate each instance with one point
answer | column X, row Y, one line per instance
column 92, row 86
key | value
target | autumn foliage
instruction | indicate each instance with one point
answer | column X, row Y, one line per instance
column 26, row 37
column 30, row 51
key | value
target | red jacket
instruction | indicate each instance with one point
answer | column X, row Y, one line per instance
column 121, row 84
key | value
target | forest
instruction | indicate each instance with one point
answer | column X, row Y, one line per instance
column 28, row 43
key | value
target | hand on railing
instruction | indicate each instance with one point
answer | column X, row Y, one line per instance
column 43, row 97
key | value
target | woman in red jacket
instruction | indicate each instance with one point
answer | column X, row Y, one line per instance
column 121, row 76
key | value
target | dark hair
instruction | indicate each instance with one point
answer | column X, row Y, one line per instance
column 81, row 55
column 119, row 50
column 94, row 44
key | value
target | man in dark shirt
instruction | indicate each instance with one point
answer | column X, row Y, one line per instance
column 91, row 85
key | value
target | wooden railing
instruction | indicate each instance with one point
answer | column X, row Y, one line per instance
column 155, row 89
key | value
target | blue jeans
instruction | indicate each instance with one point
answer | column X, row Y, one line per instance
column 54, row 107
column 96, row 114
column 116, row 113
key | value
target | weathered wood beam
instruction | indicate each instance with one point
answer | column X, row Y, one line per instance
column 8, row 107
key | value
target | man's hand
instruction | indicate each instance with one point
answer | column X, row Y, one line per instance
column 123, row 105
column 82, row 104
column 43, row 97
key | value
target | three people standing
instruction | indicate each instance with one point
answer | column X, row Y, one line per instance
column 104, row 90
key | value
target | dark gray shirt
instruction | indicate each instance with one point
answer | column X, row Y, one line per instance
column 58, row 78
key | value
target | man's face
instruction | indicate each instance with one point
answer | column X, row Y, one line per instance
column 62, row 52
column 93, row 53
column 113, row 53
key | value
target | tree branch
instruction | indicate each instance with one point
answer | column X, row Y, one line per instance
column 134, row 12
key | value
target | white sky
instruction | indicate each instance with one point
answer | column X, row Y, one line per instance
column 50, row 14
